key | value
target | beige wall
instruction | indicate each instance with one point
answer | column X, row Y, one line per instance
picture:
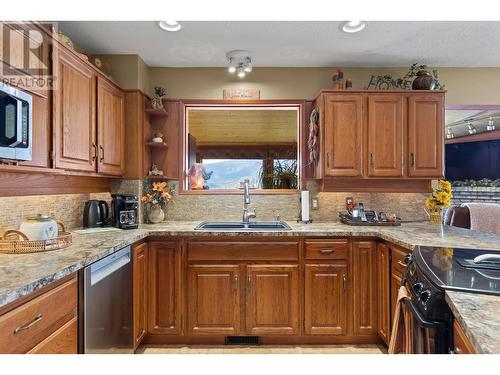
column 129, row 71
column 464, row 85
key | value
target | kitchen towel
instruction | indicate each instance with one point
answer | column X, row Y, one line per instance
column 401, row 339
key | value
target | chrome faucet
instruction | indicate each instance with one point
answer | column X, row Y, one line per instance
column 246, row 201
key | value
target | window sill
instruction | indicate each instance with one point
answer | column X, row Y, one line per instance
column 240, row 192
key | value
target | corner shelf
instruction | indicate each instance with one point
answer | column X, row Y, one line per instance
column 162, row 112
column 156, row 144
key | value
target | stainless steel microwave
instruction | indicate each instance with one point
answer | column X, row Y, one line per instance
column 16, row 126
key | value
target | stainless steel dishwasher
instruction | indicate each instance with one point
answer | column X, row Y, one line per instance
column 106, row 312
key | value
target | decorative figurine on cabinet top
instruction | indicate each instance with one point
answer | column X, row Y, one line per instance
column 157, row 100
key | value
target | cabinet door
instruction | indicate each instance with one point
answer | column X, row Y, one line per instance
column 213, row 299
column 326, row 299
column 164, row 281
column 384, row 301
column 110, row 128
column 272, row 304
column 140, row 289
column 74, row 114
column 343, row 125
column 425, row 135
column 364, row 287
column 385, row 135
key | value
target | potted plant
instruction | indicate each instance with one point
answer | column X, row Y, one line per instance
column 422, row 79
column 157, row 197
column 441, row 197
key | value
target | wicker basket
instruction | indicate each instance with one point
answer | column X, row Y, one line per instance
column 16, row 242
column 435, row 215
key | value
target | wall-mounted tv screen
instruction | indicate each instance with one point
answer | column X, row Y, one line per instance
column 473, row 160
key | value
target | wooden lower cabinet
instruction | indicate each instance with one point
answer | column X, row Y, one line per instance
column 461, row 344
column 164, row 288
column 326, row 299
column 384, row 292
column 272, row 299
column 44, row 323
column 140, row 288
column 63, row 341
column 364, row 285
column 213, row 301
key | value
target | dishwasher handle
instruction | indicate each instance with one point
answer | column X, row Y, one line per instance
column 105, row 267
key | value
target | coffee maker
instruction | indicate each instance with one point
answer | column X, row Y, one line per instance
column 124, row 208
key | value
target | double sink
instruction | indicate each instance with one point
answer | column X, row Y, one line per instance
column 239, row 225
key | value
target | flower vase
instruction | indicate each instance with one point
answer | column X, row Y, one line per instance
column 156, row 214
column 435, row 215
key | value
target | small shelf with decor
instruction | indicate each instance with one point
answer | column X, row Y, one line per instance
column 161, row 123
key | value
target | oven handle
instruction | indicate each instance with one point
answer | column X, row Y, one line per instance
column 420, row 319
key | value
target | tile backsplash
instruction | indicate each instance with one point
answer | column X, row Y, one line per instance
column 408, row 206
column 67, row 208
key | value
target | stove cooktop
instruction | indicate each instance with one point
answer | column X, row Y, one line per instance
column 466, row 270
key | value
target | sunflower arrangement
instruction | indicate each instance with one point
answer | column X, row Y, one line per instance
column 441, row 197
column 159, row 193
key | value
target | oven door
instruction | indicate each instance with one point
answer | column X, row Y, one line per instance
column 428, row 336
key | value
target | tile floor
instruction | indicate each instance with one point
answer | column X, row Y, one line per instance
column 275, row 349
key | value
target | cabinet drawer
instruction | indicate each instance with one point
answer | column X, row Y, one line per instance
column 234, row 251
column 62, row 341
column 29, row 324
column 327, row 249
column 398, row 256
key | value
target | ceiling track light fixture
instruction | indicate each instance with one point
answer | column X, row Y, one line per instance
column 491, row 125
column 449, row 134
column 353, row 26
column 472, row 129
column 171, row 26
column 239, row 62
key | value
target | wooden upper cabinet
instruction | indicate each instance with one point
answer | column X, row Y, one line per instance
column 384, row 292
column 425, row 135
column 164, row 288
column 272, row 300
column 326, row 299
column 364, row 287
column 74, row 114
column 385, row 135
column 110, row 128
column 140, row 287
column 343, row 128
column 213, row 299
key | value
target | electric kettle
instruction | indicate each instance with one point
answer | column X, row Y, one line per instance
column 95, row 213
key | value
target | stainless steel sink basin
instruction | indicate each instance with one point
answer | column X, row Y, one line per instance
column 238, row 225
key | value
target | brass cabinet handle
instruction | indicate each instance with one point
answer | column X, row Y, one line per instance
column 94, row 146
column 371, row 159
column 326, row 251
column 328, row 160
column 401, row 263
column 249, row 283
column 102, row 153
column 35, row 320
column 412, row 159
column 344, row 282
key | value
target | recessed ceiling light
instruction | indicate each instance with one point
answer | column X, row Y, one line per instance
column 353, row 26
column 169, row 25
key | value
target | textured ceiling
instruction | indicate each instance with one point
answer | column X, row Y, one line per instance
column 295, row 44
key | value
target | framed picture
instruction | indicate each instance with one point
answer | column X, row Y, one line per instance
column 241, row 94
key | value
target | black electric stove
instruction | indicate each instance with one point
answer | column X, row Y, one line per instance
column 433, row 270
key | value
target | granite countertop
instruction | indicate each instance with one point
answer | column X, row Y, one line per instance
column 21, row 274
column 478, row 317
